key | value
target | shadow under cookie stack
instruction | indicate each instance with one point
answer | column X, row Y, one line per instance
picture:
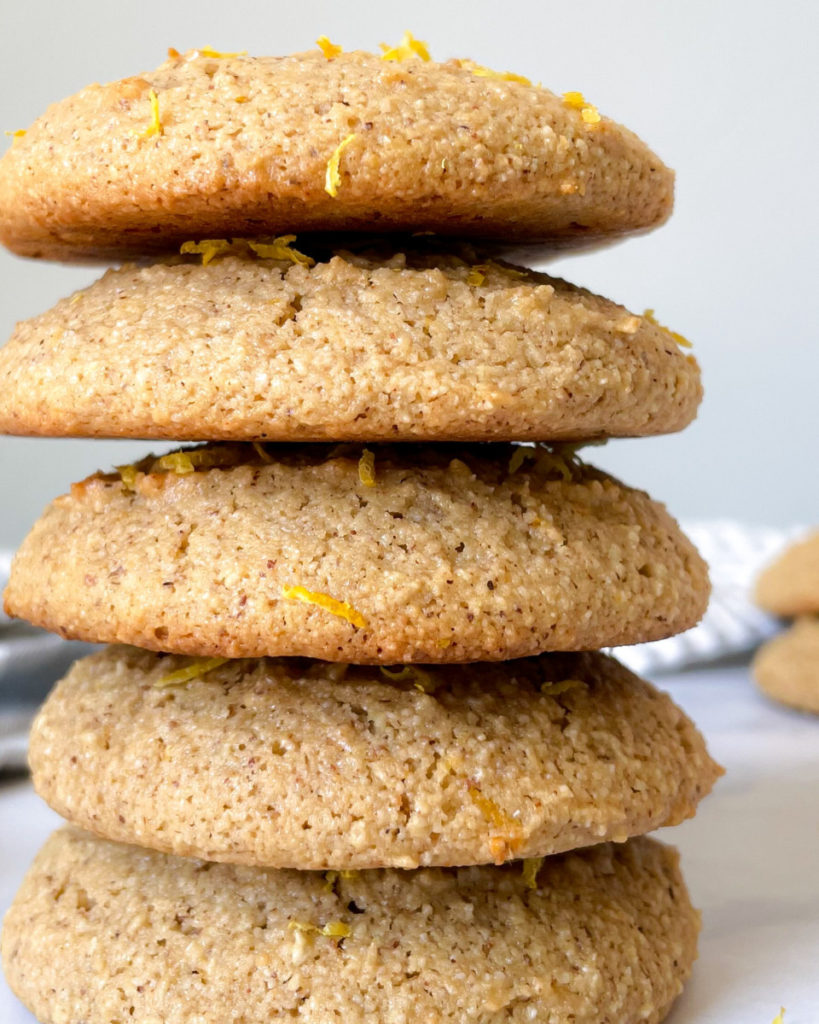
column 350, row 765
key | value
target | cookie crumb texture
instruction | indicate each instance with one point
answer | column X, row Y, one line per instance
column 235, row 150
column 787, row 667
column 101, row 933
column 328, row 766
column 457, row 554
column 354, row 348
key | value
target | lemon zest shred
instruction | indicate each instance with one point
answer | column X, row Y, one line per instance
column 519, row 456
column 329, row 49
column 493, row 814
column 554, row 689
column 444, row 642
column 476, row 275
column 780, row 1017
column 281, row 249
column 208, row 249
column 329, row 604
column 504, row 76
column 191, row 459
column 128, row 475
column 332, row 179
column 176, row 462
column 155, row 127
column 241, row 99
column 421, row 679
column 577, row 101
column 208, row 51
column 198, row 667
column 681, row 340
column 332, row 930
column 366, row 468
column 531, row 866
column 407, row 49
column 16, row 135
column 173, row 53
column 259, row 449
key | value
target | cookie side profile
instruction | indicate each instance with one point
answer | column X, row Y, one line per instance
column 210, row 147
column 408, row 346
column 790, row 586
column 102, row 932
column 406, row 554
column 787, row 667
column 442, row 766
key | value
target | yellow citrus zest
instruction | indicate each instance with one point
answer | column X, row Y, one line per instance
column 531, row 866
column 489, row 809
column 519, row 456
column 444, row 642
column 241, row 99
column 208, row 249
column 366, row 468
column 332, row 930
column 155, row 127
column 560, row 686
column 476, row 275
column 508, row 838
column 197, row 667
column 681, row 340
column 16, row 135
column 407, row 49
column 484, row 72
column 208, row 51
column 780, row 1017
column 180, row 463
column 329, row 604
column 577, row 101
column 280, row 249
column 332, row 179
column 421, row 679
column 260, row 451
column 329, row 49
column 128, row 475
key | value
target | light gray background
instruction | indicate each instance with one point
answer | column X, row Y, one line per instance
column 724, row 91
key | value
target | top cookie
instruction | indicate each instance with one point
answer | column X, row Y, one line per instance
column 219, row 146
column 790, row 586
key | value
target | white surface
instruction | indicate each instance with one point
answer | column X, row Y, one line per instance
column 750, row 858
column 723, row 90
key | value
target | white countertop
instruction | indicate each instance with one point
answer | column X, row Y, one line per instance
column 751, row 858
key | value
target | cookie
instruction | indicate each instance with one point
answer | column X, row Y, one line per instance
column 413, row 346
column 216, row 147
column 101, row 932
column 449, row 765
column 787, row 667
column 414, row 553
column 790, row 586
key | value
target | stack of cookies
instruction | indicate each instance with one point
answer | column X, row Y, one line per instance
column 787, row 667
column 361, row 758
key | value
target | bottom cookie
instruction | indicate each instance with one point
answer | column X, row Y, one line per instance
column 101, row 932
column 787, row 667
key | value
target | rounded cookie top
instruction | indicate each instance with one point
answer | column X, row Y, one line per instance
column 790, row 586
column 444, row 765
column 787, row 667
column 101, row 932
column 429, row 553
column 213, row 147
column 425, row 346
